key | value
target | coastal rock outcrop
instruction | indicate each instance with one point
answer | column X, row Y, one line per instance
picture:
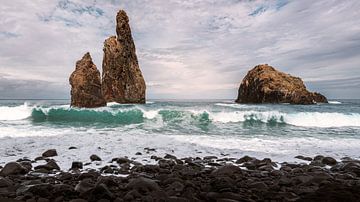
column 122, row 80
column 264, row 84
column 86, row 84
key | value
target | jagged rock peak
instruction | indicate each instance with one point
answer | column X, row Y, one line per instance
column 265, row 84
column 122, row 80
column 86, row 84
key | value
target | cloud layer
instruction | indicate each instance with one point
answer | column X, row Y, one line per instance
column 186, row 48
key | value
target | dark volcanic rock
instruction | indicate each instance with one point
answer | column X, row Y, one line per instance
column 86, row 84
column 76, row 165
column 12, row 168
column 95, row 157
column 264, row 84
column 50, row 165
column 122, row 80
column 50, row 153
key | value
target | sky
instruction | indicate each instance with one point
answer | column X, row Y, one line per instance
column 187, row 49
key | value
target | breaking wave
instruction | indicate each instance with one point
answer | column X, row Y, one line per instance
column 132, row 114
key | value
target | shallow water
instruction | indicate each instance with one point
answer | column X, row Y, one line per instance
column 184, row 128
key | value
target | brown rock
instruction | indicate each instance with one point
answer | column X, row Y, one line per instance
column 50, row 153
column 264, row 84
column 12, row 168
column 122, row 80
column 86, row 84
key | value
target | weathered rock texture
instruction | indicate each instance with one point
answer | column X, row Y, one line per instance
column 86, row 84
column 122, row 80
column 264, row 84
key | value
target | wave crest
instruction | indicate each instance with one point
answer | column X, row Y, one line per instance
column 136, row 114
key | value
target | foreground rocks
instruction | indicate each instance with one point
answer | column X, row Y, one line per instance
column 86, row 84
column 264, row 84
column 122, row 80
column 186, row 179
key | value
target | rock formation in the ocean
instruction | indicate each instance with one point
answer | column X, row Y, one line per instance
column 86, row 84
column 122, row 80
column 264, row 84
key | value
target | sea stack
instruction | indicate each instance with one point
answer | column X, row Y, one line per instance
column 264, row 84
column 86, row 84
column 122, row 80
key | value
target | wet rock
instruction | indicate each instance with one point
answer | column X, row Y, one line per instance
column 76, row 165
column 27, row 165
column 13, row 168
column 122, row 80
column 264, row 84
column 226, row 170
column 210, row 157
column 138, row 153
column 169, row 156
column 95, row 157
column 259, row 186
column 50, row 153
column 72, row 147
column 143, row 184
column 329, row 161
column 79, row 200
column 318, row 158
column 122, row 160
column 304, row 158
column 244, row 159
column 42, row 190
column 84, row 186
column 50, row 165
column 100, row 192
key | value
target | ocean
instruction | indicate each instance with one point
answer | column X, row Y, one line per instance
column 182, row 128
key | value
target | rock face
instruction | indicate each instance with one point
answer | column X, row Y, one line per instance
column 122, row 80
column 86, row 84
column 264, row 84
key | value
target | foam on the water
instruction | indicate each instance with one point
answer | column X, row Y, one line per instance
column 134, row 114
column 15, row 113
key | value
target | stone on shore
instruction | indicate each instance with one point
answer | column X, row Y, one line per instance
column 50, row 153
column 13, row 168
column 86, row 84
column 122, row 80
column 265, row 84
column 95, row 157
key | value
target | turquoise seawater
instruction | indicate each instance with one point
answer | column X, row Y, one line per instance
column 222, row 125
column 209, row 117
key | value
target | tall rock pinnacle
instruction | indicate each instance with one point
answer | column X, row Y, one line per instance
column 122, row 80
column 86, row 84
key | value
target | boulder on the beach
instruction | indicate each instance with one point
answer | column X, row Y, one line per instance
column 265, row 84
column 86, row 84
column 95, row 157
column 13, row 168
column 50, row 153
column 122, row 80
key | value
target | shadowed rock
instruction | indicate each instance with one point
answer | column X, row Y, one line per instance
column 86, row 84
column 264, row 84
column 122, row 80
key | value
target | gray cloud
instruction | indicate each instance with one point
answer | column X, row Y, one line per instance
column 187, row 49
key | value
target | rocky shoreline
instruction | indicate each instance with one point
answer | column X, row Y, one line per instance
column 209, row 178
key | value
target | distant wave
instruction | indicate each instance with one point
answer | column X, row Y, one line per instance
column 334, row 102
column 131, row 114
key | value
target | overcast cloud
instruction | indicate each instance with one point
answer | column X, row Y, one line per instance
column 186, row 48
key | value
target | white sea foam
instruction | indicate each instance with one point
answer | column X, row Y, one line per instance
column 150, row 114
column 236, row 106
column 304, row 119
column 15, row 113
column 334, row 102
column 317, row 119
